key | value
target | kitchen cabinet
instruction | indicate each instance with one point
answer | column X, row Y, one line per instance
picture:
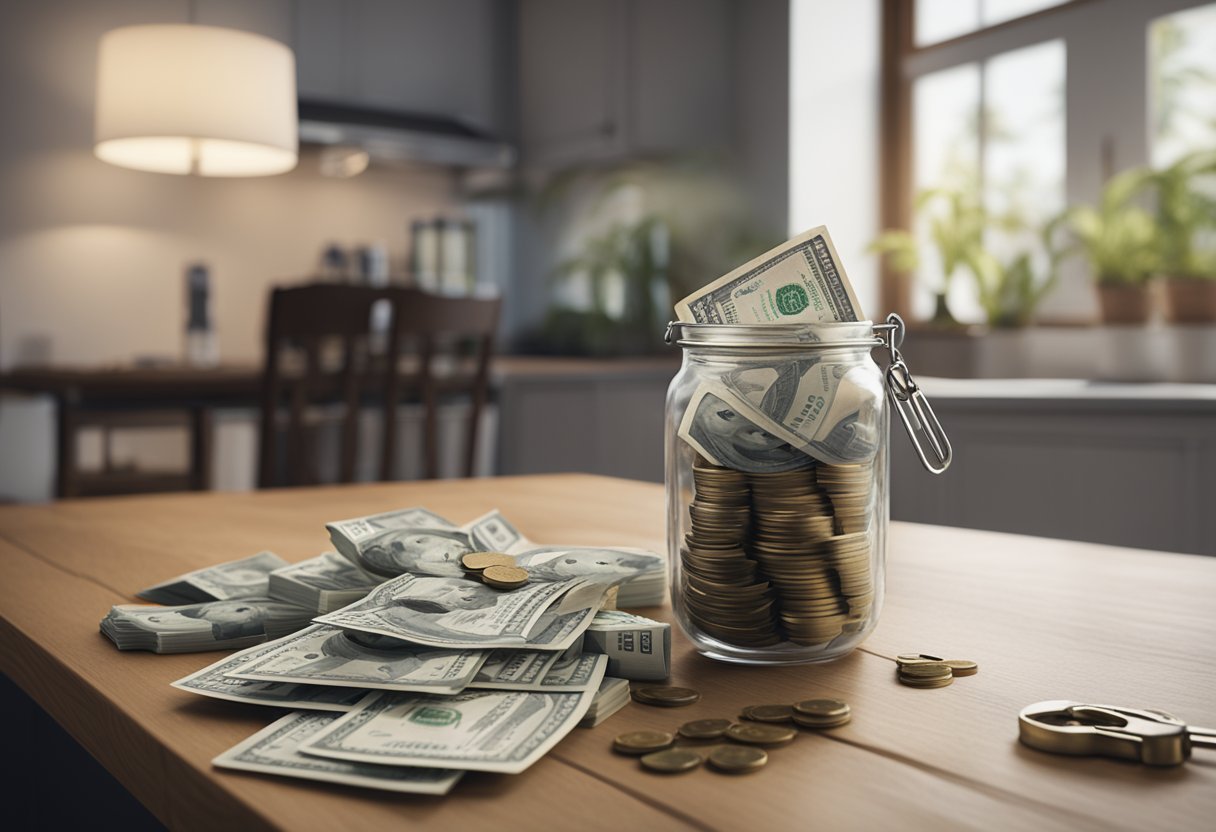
column 586, row 415
column 609, row 79
column 1125, row 464
column 441, row 57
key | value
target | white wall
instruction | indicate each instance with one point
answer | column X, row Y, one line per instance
column 92, row 256
column 835, row 58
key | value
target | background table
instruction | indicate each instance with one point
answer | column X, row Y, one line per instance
column 1045, row 620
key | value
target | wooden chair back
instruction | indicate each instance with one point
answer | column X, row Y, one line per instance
column 448, row 342
column 316, row 324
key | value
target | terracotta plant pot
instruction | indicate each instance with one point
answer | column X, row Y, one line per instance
column 1190, row 300
column 1123, row 303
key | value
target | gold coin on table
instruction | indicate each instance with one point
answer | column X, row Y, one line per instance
column 760, row 733
column 505, row 577
column 928, row 670
column 962, row 667
column 822, row 708
column 665, row 696
column 913, row 682
column 737, row 759
column 914, row 658
column 642, row 742
column 477, row 561
column 819, row 723
column 704, row 729
column 672, row 761
column 768, row 713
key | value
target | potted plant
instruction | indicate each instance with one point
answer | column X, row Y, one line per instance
column 1120, row 241
column 1185, row 213
column 957, row 231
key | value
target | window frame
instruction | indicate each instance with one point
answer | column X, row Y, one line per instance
column 1106, row 102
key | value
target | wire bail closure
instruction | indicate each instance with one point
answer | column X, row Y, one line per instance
column 920, row 422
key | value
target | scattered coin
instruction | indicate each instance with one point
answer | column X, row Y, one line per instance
column 665, row 696
column 672, row 760
column 928, row 670
column 505, row 577
column 737, row 759
column 917, row 657
column 963, row 667
column 760, row 733
column 768, row 713
column 642, row 742
column 477, row 561
column 704, row 729
column 822, row 708
column 819, row 723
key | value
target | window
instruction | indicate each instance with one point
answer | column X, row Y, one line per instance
column 1182, row 84
column 1033, row 115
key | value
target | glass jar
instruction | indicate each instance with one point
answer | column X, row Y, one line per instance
column 777, row 485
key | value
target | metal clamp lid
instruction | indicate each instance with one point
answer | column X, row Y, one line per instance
column 920, row 422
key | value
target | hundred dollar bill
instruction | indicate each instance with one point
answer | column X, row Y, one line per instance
column 323, row 584
column 568, row 672
column 729, row 435
column 828, row 408
column 324, row 655
column 799, row 281
column 275, row 750
column 610, row 698
column 214, row 681
column 245, row 578
column 215, row 625
column 515, row 669
column 418, row 542
column 458, row 612
column 502, row 731
column 637, row 648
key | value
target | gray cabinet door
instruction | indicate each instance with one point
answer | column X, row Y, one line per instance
column 609, row 79
column 572, row 95
column 442, row 57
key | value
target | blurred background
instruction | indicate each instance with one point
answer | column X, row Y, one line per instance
column 1028, row 182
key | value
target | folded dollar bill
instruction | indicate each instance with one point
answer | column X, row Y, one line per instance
column 325, row 655
column 275, row 750
column 189, row 628
column 502, row 731
column 323, row 584
column 418, row 542
column 610, row 698
column 464, row 613
column 799, row 281
column 568, row 672
column 214, row 681
column 637, row 648
column 245, row 578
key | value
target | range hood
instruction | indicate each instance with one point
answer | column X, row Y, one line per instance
column 395, row 136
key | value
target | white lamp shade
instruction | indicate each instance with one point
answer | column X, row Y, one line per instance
column 183, row 99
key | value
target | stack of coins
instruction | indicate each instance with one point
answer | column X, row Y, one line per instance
column 922, row 670
column 822, row 713
column 773, row 557
column 722, row 593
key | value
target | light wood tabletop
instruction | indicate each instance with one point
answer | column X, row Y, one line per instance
column 1045, row 619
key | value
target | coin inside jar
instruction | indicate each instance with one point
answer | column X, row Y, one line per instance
column 672, row 761
column 642, row 742
column 737, row 759
column 505, row 577
column 704, row 729
column 760, row 733
column 477, row 561
column 768, row 713
column 665, row 696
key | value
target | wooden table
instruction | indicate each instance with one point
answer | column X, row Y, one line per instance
column 1045, row 619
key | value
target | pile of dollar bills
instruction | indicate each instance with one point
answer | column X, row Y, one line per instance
column 404, row 669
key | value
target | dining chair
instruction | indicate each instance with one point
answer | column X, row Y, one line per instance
column 320, row 356
column 445, row 345
column 323, row 354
